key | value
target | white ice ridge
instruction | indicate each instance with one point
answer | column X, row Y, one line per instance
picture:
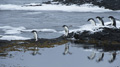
column 11, row 37
column 39, row 30
column 49, row 7
column 12, row 30
column 18, row 30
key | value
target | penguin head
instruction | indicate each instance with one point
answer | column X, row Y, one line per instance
column 64, row 26
column 93, row 22
column 111, row 17
column 33, row 31
column 90, row 19
column 98, row 17
column 113, row 20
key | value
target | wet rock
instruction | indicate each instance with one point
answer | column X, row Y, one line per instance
column 109, row 34
column 41, row 41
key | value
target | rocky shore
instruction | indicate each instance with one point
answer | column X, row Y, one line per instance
column 106, row 36
column 108, row 4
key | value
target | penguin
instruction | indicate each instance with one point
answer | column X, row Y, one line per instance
column 100, row 20
column 35, row 51
column 113, row 57
column 93, row 22
column 92, row 56
column 100, row 57
column 66, row 30
column 113, row 20
column 66, row 51
column 35, row 35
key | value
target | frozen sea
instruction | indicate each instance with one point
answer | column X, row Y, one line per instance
column 15, row 17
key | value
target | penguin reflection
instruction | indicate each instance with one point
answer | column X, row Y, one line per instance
column 100, row 58
column 113, row 57
column 92, row 56
column 35, row 51
column 66, row 51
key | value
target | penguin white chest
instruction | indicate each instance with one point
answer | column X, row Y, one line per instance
column 100, row 21
column 66, row 31
column 35, row 36
column 92, row 22
column 111, row 21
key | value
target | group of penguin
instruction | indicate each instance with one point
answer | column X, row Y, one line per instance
column 66, row 29
column 65, row 34
column 100, row 20
column 101, row 56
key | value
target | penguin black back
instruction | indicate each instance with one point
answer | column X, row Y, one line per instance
column 113, row 20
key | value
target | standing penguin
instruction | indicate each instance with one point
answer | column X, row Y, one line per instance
column 92, row 21
column 112, row 20
column 66, row 30
column 35, row 35
column 100, row 20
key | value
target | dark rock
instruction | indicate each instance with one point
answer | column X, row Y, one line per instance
column 48, row 2
column 109, row 34
column 108, row 4
column 40, row 41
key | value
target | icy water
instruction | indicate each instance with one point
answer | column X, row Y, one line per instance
column 70, row 54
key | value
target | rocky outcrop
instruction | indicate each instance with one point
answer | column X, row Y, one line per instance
column 41, row 41
column 108, row 4
column 108, row 35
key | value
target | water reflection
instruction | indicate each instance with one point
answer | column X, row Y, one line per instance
column 113, row 57
column 35, row 51
column 3, row 54
column 66, row 50
column 100, row 51
column 98, row 54
column 92, row 56
column 100, row 58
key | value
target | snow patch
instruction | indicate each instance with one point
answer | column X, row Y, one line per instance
column 13, row 38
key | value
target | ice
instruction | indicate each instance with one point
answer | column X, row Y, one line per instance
column 12, row 37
